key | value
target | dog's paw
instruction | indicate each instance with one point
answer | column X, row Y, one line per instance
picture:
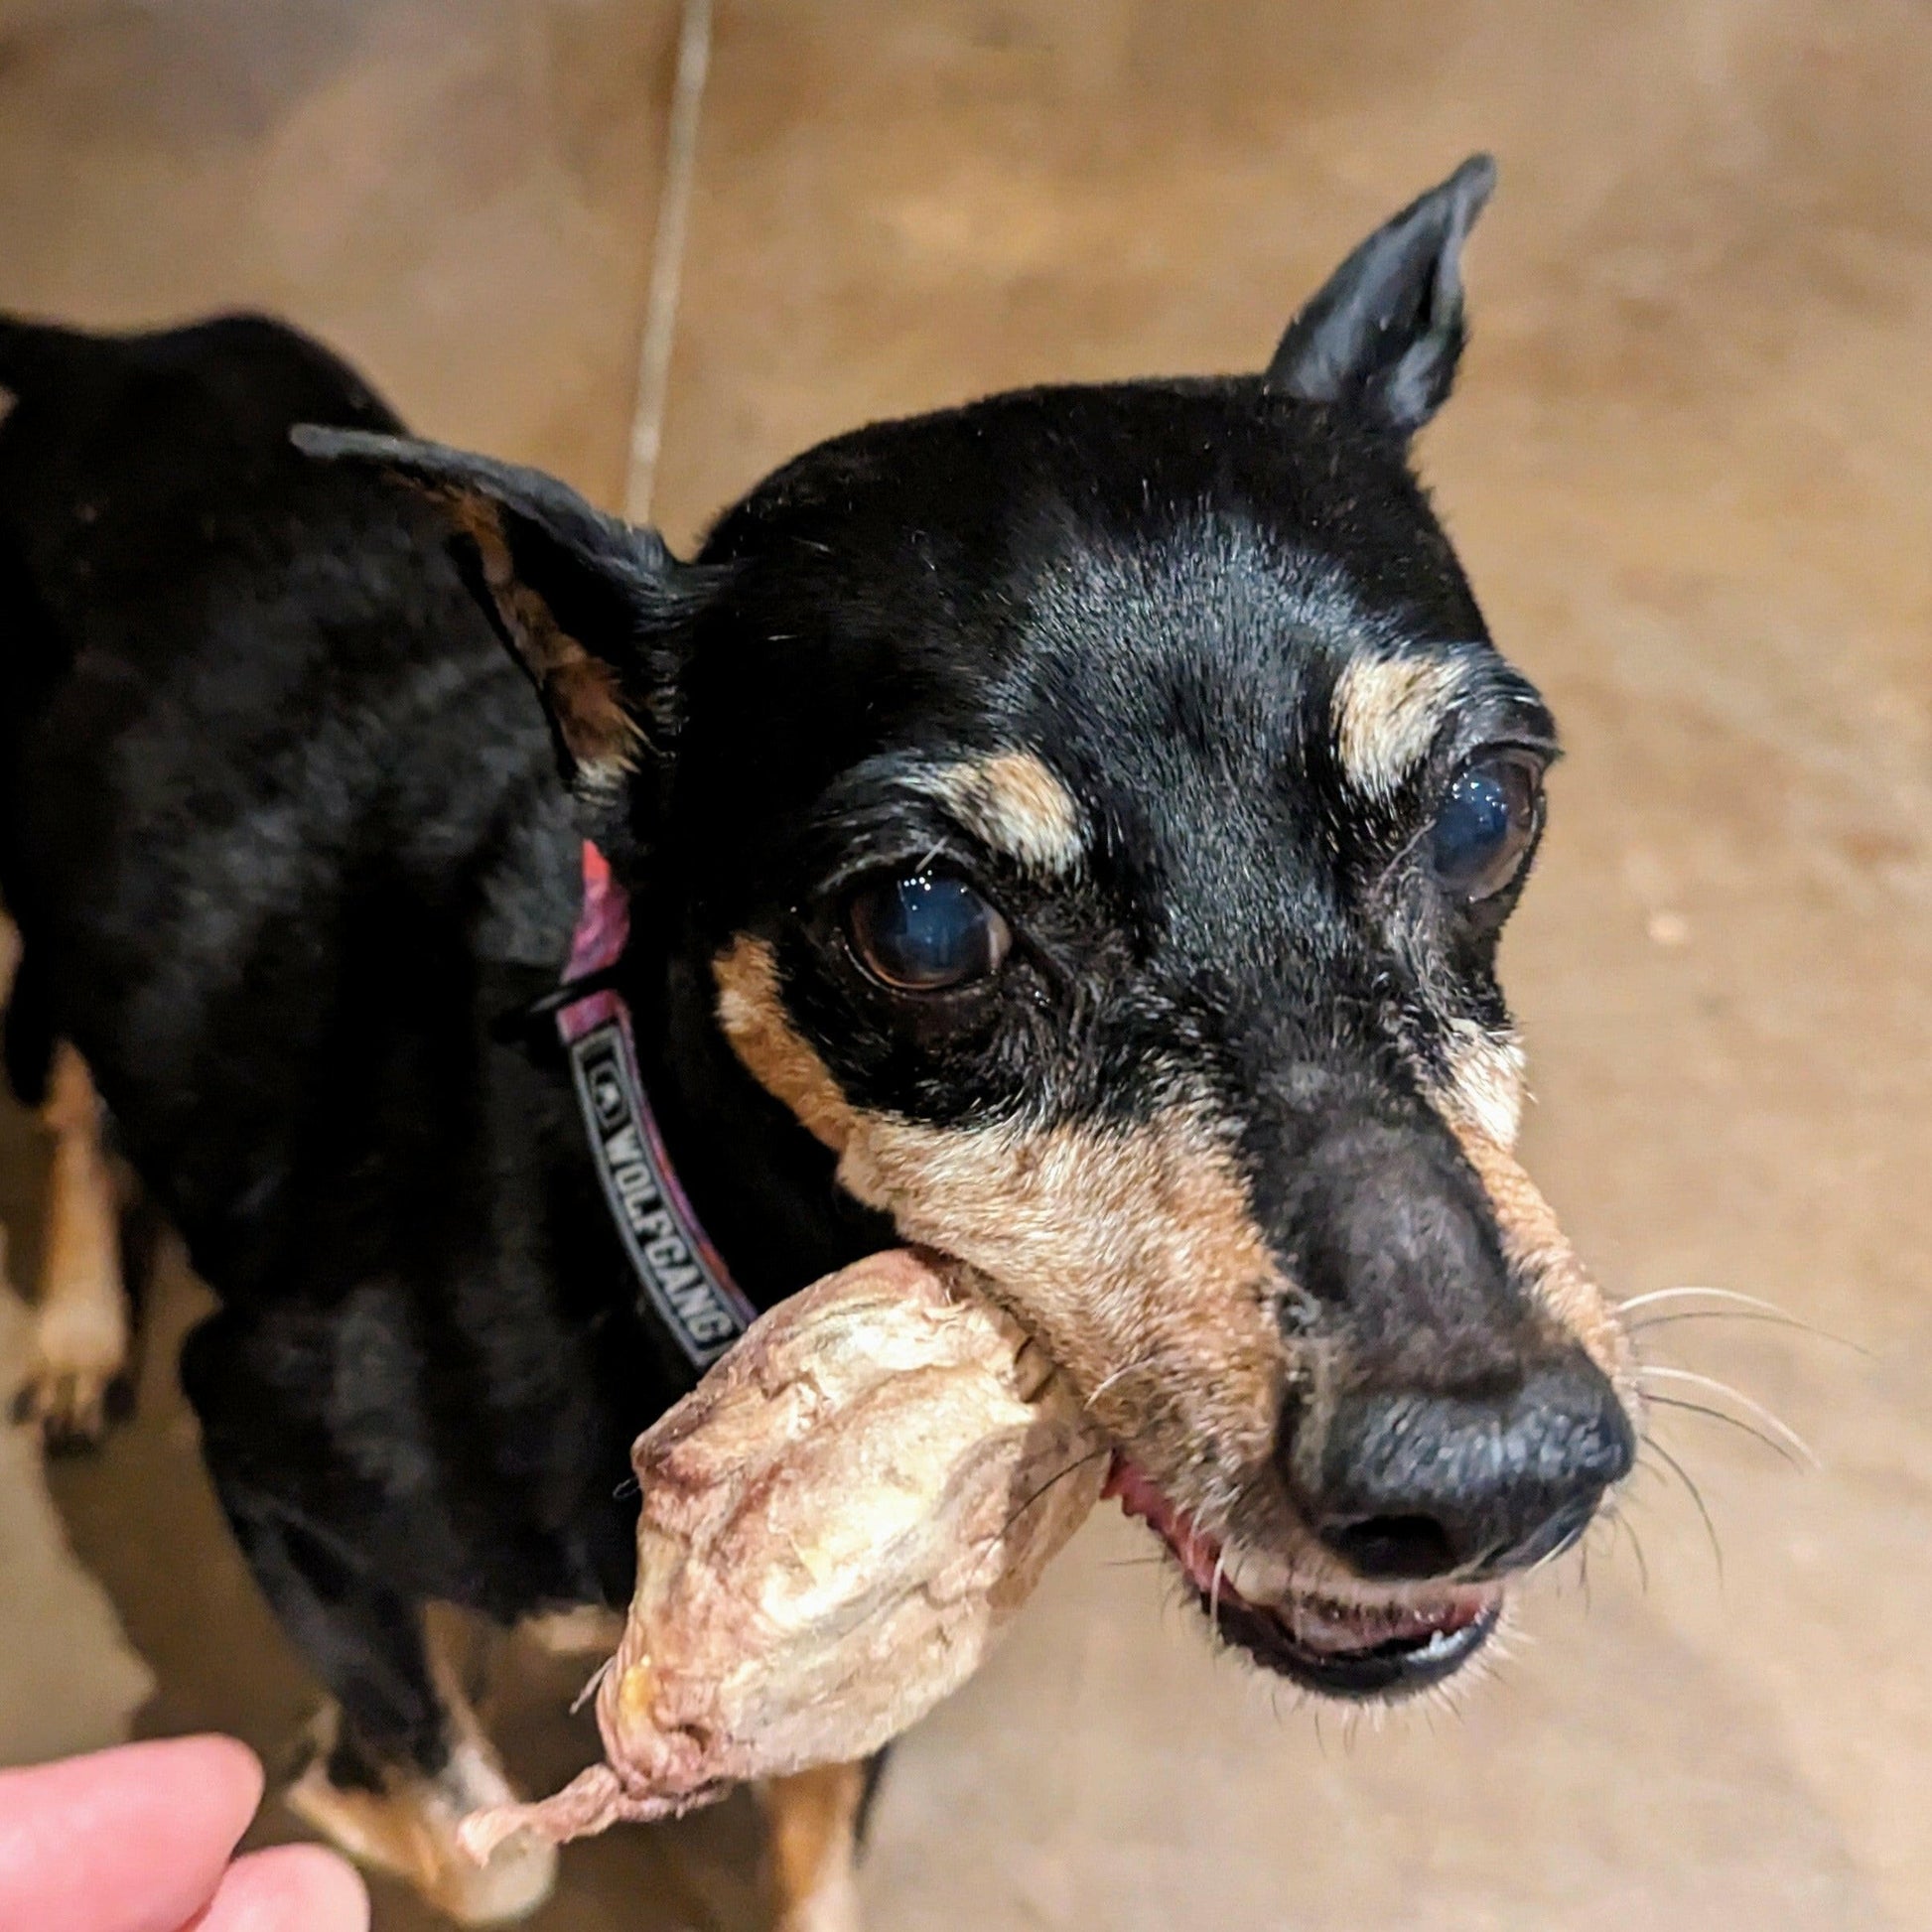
column 73, row 1412
column 834, row 1908
column 77, row 1376
column 407, row 1829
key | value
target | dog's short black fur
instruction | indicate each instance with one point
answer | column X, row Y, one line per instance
column 1080, row 823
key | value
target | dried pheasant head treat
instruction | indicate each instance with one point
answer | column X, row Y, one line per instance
column 836, row 1523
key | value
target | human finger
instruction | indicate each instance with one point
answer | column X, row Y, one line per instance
column 291, row 1888
column 130, row 1840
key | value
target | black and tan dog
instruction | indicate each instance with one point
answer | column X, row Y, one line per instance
column 1072, row 832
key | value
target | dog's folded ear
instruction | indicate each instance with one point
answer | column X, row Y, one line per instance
column 591, row 607
column 1382, row 338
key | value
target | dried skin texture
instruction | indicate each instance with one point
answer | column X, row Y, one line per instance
column 836, row 1523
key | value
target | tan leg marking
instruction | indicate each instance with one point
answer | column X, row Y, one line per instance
column 1017, row 805
column 1387, row 711
column 813, row 1819
column 1131, row 1253
column 409, row 1828
column 80, row 1329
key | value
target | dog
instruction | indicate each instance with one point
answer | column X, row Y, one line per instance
column 1070, row 832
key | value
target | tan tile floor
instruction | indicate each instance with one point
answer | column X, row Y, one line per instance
column 1690, row 469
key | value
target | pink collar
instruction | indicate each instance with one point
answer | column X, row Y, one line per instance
column 683, row 1285
column 602, row 922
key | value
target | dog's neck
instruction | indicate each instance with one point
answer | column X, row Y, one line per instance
column 760, row 1184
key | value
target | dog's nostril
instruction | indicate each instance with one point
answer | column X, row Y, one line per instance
column 1390, row 1548
column 1411, row 1482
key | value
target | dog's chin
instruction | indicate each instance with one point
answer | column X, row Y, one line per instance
column 1342, row 1639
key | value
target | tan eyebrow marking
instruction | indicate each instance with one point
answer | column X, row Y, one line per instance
column 1387, row 711
column 1015, row 805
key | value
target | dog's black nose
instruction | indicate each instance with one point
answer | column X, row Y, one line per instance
column 1420, row 1484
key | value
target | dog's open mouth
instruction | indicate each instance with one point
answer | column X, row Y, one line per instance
column 1362, row 1644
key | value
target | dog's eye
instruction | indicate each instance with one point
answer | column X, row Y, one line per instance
column 926, row 933
column 1485, row 826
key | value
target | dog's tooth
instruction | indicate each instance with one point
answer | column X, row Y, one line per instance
column 1258, row 1574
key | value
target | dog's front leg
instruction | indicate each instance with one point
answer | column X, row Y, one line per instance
column 81, row 1327
column 814, row 1818
column 400, row 1817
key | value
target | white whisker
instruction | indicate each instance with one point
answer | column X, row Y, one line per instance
column 1657, row 1295
column 1748, row 1315
column 1126, row 1369
column 1737, row 1307
column 1781, row 1432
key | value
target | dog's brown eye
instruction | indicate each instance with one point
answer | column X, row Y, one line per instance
column 1485, row 826
column 926, row 932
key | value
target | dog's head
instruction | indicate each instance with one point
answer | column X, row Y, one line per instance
column 1096, row 810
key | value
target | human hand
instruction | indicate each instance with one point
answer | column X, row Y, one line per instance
column 139, row 1840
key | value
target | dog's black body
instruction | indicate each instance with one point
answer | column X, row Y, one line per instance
column 284, row 833
column 286, row 836
column 287, row 842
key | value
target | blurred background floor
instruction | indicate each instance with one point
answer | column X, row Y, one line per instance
column 1691, row 470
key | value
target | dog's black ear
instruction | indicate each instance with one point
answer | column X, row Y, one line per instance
column 1383, row 335
column 591, row 607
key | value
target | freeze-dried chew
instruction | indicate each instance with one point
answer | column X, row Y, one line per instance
column 836, row 1523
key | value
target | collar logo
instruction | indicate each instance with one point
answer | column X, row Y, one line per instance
column 606, row 1097
column 683, row 1287
column 682, row 1284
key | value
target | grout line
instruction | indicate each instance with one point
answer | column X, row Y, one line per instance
column 667, row 260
